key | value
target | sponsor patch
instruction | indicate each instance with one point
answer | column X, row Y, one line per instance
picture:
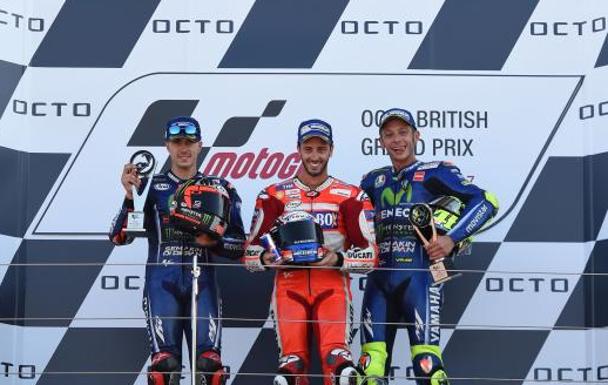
column 397, row 247
column 340, row 191
column 380, row 181
column 162, row 186
column 293, row 205
column 404, row 260
column 158, row 328
column 418, row 324
column 429, row 165
column 285, row 186
column 293, row 193
column 296, row 216
column 252, row 252
column 326, row 219
column 315, row 127
column 418, row 176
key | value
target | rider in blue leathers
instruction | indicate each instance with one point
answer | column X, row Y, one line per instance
column 404, row 295
column 168, row 286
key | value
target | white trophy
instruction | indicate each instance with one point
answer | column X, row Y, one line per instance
column 146, row 164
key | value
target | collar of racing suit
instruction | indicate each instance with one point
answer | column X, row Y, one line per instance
column 177, row 179
column 399, row 175
column 319, row 188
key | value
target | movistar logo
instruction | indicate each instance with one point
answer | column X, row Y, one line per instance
column 389, row 198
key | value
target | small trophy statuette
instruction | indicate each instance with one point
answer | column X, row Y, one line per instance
column 145, row 164
column 421, row 217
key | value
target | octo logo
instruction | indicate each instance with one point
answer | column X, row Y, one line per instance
column 263, row 165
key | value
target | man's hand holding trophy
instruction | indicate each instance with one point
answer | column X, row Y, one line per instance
column 136, row 178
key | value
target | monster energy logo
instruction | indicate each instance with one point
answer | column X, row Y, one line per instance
column 207, row 219
column 389, row 198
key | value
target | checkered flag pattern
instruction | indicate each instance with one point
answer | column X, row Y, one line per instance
column 512, row 91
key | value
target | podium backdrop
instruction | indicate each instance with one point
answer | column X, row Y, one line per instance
column 512, row 91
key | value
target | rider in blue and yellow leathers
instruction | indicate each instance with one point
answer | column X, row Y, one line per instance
column 408, row 294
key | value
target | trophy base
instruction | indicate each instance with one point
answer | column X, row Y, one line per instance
column 135, row 232
column 441, row 271
column 135, row 224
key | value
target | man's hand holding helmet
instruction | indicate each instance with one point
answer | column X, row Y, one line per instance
column 201, row 208
column 296, row 239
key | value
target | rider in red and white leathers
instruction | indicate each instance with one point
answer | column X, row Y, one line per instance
column 311, row 298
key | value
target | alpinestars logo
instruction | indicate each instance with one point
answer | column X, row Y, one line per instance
column 367, row 323
column 158, row 328
column 212, row 328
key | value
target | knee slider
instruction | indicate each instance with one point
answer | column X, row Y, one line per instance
column 210, row 364
column 428, row 366
column 340, row 363
column 165, row 370
column 373, row 358
column 290, row 369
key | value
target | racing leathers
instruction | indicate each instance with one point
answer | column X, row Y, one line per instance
column 318, row 297
column 168, row 284
column 404, row 295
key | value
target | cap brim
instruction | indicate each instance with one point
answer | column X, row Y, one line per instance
column 397, row 117
column 192, row 138
column 315, row 135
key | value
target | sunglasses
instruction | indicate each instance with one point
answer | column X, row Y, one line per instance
column 188, row 129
